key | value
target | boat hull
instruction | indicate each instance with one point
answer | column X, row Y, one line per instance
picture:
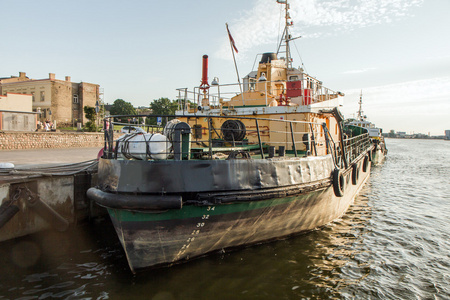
column 378, row 154
column 160, row 238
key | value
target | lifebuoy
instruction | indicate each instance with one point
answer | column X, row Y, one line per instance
column 355, row 174
column 366, row 163
column 338, row 182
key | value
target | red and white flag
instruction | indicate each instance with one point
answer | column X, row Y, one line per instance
column 231, row 40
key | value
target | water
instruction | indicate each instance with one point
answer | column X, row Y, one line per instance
column 393, row 243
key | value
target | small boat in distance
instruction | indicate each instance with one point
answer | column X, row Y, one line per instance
column 379, row 152
column 238, row 164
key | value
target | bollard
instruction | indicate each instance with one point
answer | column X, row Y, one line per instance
column 271, row 151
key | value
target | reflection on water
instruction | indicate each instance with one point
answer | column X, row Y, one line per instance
column 393, row 243
column 56, row 265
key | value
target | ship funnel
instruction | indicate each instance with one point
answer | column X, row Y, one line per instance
column 268, row 57
column 204, row 85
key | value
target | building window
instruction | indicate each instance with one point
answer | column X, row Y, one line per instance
column 75, row 98
column 42, row 96
column 32, row 96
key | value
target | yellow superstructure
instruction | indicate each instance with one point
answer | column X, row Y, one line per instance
column 274, row 92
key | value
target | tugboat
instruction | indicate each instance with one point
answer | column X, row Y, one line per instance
column 236, row 165
column 378, row 154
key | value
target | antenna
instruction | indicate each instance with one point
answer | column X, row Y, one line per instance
column 286, row 37
column 361, row 115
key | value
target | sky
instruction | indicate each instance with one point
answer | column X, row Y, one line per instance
column 396, row 52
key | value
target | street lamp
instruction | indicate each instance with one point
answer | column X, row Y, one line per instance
column 97, row 109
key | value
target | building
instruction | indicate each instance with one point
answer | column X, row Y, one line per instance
column 16, row 102
column 60, row 101
column 16, row 113
column 447, row 134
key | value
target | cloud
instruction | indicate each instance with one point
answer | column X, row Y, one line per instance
column 359, row 71
column 419, row 105
column 264, row 23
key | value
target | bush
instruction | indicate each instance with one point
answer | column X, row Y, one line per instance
column 90, row 126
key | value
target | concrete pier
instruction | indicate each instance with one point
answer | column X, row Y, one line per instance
column 48, row 156
column 46, row 189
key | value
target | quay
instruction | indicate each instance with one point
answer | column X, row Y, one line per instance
column 48, row 156
column 46, row 189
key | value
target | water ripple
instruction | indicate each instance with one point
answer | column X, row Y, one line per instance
column 394, row 243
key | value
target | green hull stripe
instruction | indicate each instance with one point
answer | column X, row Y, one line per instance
column 195, row 211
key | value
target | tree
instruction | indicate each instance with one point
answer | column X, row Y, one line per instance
column 163, row 106
column 90, row 114
column 121, row 107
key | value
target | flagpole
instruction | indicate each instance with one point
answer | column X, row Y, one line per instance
column 233, row 48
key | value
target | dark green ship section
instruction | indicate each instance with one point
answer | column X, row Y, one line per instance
column 152, row 239
column 199, row 197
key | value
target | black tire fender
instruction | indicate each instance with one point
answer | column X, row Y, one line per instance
column 373, row 153
column 366, row 163
column 338, row 182
column 355, row 174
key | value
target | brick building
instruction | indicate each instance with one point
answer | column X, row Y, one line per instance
column 16, row 113
column 57, row 100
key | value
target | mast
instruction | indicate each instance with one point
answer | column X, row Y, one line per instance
column 287, row 37
column 361, row 116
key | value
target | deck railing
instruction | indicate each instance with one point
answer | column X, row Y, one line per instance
column 224, row 137
column 307, row 92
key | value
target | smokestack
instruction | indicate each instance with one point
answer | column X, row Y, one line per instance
column 51, row 76
column 204, row 85
column 68, row 78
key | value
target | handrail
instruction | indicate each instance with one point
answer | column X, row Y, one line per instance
column 315, row 92
column 208, row 139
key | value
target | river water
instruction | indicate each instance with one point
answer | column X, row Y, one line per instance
column 393, row 243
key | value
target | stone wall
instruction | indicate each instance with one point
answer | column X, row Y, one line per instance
column 41, row 140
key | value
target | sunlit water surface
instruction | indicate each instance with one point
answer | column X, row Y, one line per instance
column 393, row 243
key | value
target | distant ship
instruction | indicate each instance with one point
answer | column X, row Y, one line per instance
column 378, row 154
column 245, row 164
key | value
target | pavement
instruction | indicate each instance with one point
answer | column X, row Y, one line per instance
column 48, row 156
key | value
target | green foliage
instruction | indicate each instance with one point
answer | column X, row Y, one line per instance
column 162, row 106
column 90, row 126
column 121, row 107
column 90, row 114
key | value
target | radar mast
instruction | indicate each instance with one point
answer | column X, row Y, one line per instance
column 286, row 37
